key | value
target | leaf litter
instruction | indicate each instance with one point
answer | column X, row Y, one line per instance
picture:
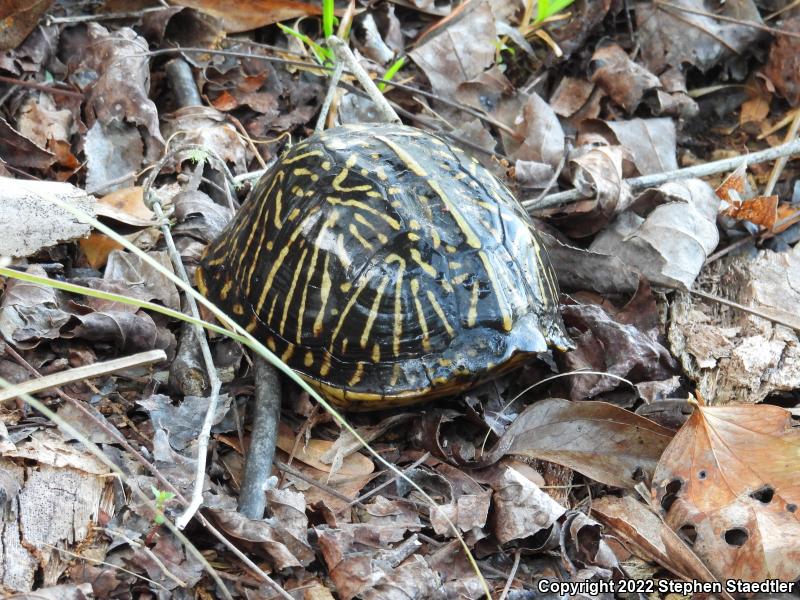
column 594, row 464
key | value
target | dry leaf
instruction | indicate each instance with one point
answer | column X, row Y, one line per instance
column 729, row 481
column 126, row 206
column 670, row 244
column 18, row 18
column 647, row 535
column 761, row 210
column 244, row 15
column 604, row 442
column 97, row 247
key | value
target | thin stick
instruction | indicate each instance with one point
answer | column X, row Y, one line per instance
column 747, row 309
column 34, row 386
column 345, row 55
column 711, row 168
column 510, row 580
column 40, row 86
column 780, row 164
column 332, row 88
column 213, row 380
column 137, row 14
column 377, row 489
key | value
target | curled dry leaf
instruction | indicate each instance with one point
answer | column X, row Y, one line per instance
column 207, row 127
column 118, row 107
column 138, row 274
column 21, row 152
column 31, row 312
column 650, row 144
column 597, row 172
column 606, row 345
column 282, row 536
column 358, row 570
column 126, row 206
column 729, row 480
column 622, row 79
column 606, row 443
column 521, row 508
column 39, row 120
column 670, row 243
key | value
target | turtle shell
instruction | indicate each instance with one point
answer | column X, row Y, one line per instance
column 386, row 266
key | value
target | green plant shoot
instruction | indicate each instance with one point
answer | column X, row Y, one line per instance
column 161, row 498
column 547, row 8
column 391, row 72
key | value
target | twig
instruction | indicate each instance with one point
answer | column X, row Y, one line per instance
column 345, row 55
column 34, row 386
column 388, row 482
column 332, row 89
column 711, row 168
column 260, row 454
column 102, row 17
column 40, row 86
column 780, row 164
column 511, row 575
column 747, row 309
column 152, row 202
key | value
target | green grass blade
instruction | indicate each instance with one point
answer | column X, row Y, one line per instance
column 327, row 18
column 391, row 72
column 547, row 8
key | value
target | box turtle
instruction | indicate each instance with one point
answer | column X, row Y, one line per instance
column 386, row 266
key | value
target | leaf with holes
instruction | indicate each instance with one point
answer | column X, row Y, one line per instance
column 728, row 482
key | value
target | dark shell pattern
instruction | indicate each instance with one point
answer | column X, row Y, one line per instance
column 386, row 266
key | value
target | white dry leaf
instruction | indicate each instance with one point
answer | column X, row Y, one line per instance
column 31, row 222
column 669, row 243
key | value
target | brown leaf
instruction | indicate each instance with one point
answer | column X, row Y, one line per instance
column 606, row 443
column 671, row 37
column 647, row 535
column 670, row 244
column 19, row 151
column 97, row 247
column 126, row 205
column 729, row 479
column 597, row 172
column 783, row 67
column 30, row 312
column 606, row 345
column 244, row 15
column 447, row 61
column 622, row 79
column 761, row 210
column 521, row 508
column 18, row 18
